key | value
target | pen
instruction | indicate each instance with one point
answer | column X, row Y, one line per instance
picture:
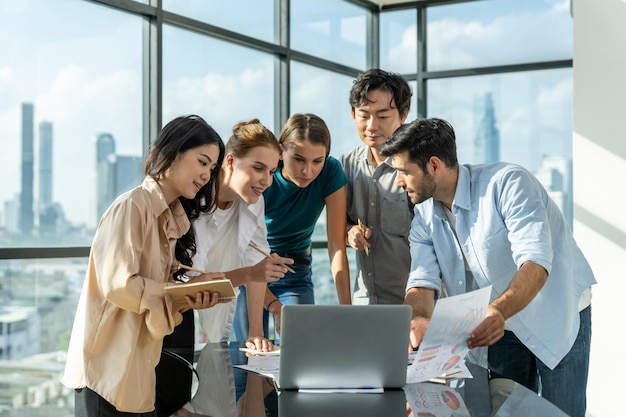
column 362, row 229
column 190, row 268
column 267, row 255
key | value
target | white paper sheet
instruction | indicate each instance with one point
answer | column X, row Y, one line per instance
column 445, row 343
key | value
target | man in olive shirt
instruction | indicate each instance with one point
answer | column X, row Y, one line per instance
column 380, row 103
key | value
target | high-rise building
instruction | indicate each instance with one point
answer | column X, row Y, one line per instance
column 128, row 173
column 12, row 215
column 104, row 178
column 114, row 173
column 45, row 163
column 47, row 213
column 19, row 332
column 26, row 193
column 487, row 136
column 555, row 174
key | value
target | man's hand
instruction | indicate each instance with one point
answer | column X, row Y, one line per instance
column 489, row 331
column 422, row 302
column 418, row 330
column 358, row 236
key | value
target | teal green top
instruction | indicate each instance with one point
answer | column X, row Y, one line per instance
column 291, row 212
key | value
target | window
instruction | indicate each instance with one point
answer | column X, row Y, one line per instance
column 498, row 32
column 398, row 41
column 220, row 81
column 330, row 29
column 73, row 77
column 322, row 92
column 253, row 18
column 71, row 118
column 524, row 118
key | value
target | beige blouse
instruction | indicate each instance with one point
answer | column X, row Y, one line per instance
column 122, row 314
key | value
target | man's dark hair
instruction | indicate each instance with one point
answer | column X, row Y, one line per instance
column 424, row 138
column 377, row 79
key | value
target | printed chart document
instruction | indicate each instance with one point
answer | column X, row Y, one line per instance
column 435, row 400
column 178, row 291
column 444, row 346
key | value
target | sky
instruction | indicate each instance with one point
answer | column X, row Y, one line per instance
column 80, row 64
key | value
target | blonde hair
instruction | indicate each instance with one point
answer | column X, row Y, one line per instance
column 249, row 135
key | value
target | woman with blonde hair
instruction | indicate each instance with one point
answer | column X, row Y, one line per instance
column 225, row 240
column 306, row 181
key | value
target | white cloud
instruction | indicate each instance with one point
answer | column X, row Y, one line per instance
column 223, row 99
column 6, row 74
column 406, row 48
column 515, row 37
column 539, row 127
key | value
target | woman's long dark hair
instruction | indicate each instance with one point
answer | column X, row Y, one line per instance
column 178, row 136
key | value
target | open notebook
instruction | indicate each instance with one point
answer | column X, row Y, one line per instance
column 343, row 346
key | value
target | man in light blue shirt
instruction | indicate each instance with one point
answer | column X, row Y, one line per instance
column 494, row 224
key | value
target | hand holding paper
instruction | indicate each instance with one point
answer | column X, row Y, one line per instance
column 445, row 343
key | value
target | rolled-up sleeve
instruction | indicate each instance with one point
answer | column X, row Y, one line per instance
column 425, row 271
column 523, row 205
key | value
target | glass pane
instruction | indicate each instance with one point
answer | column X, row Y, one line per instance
column 70, row 79
column 254, row 18
column 498, row 32
column 524, row 118
column 39, row 297
column 325, row 94
column 330, row 29
column 398, row 41
column 325, row 290
column 222, row 82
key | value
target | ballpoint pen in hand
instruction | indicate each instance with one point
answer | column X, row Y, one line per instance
column 267, row 255
column 362, row 229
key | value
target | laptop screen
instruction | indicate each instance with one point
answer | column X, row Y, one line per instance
column 344, row 346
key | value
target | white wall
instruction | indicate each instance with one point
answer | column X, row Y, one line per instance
column 600, row 187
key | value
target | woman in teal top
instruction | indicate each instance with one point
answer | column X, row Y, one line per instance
column 307, row 180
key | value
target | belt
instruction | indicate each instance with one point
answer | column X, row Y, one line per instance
column 302, row 258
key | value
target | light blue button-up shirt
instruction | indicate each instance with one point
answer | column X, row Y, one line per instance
column 504, row 217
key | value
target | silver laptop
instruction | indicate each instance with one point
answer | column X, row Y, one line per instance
column 343, row 346
column 391, row 403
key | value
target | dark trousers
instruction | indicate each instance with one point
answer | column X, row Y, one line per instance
column 564, row 386
column 89, row 404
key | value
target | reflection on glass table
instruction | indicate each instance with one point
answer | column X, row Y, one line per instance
column 226, row 390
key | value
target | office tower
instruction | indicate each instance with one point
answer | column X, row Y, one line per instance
column 26, row 196
column 555, row 174
column 45, row 163
column 12, row 215
column 487, row 137
column 128, row 173
column 20, row 327
column 115, row 174
column 104, row 176
column 46, row 213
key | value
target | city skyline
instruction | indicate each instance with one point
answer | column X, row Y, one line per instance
column 26, row 216
column 94, row 84
column 114, row 174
